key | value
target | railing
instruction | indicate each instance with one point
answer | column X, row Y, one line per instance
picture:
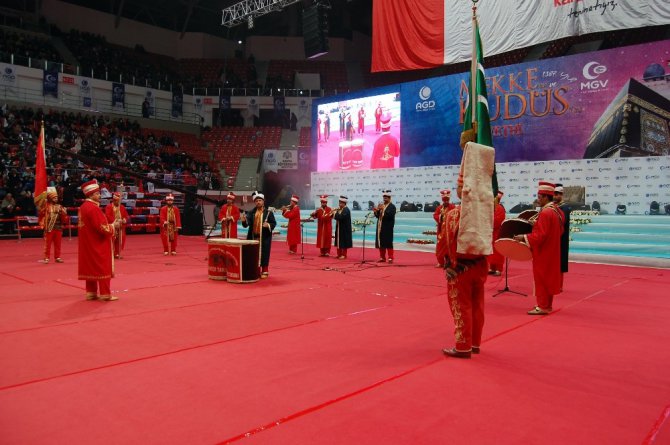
column 65, row 68
column 71, row 101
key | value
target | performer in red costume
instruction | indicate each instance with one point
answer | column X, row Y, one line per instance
column 439, row 216
column 468, row 229
column 53, row 217
column 292, row 213
column 378, row 117
column 545, row 243
column 115, row 211
column 96, row 264
column 386, row 148
column 361, row 120
column 170, row 220
column 324, row 229
column 228, row 217
column 496, row 261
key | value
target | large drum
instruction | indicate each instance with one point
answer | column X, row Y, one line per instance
column 528, row 215
column 241, row 260
column 345, row 155
column 357, row 153
column 507, row 246
column 216, row 259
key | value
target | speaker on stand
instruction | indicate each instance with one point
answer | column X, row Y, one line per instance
column 192, row 220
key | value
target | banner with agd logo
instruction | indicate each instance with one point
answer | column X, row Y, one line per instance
column 50, row 83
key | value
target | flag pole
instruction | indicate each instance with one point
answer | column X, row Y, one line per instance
column 473, row 69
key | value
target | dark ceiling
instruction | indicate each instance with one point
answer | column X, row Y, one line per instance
column 345, row 16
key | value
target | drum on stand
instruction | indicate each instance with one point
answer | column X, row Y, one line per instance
column 216, row 259
column 507, row 246
column 241, row 260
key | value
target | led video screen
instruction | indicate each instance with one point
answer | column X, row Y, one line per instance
column 358, row 134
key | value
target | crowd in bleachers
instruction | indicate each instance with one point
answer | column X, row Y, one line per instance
column 111, row 142
column 25, row 45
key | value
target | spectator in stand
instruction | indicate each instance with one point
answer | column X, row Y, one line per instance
column 8, row 210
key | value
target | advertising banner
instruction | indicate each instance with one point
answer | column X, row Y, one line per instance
column 50, row 83
column 605, row 103
column 118, row 95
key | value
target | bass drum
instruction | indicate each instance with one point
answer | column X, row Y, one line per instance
column 507, row 246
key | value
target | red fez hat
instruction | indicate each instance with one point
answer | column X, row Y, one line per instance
column 445, row 193
column 90, row 187
column 323, row 198
column 230, row 195
column 116, row 195
column 295, row 198
column 546, row 188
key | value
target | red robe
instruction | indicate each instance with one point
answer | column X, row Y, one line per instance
column 441, row 246
column 496, row 260
column 95, row 245
column 466, row 290
column 545, row 243
column 170, row 232
column 293, row 231
column 385, row 151
column 324, row 230
column 229, row 227
column 361, row 120
column 111, row 214
column 378, row 119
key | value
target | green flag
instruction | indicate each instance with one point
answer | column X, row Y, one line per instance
column 478, row 129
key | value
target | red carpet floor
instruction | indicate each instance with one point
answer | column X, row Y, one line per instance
column 325, row 352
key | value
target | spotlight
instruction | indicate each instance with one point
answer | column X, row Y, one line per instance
column 250, row 22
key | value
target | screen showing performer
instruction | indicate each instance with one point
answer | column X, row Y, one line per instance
column 358, row 134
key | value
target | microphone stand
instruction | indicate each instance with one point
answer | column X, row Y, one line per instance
column 507, row 289
column 366, row 221
column 302, row 238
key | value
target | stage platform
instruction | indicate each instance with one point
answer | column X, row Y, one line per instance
column 324, row 351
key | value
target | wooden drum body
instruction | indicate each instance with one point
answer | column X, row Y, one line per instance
column 510, row 248
column 241, row 260
column 216, row 259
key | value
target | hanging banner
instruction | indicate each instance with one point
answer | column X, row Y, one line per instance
column 417, row 34
column 253, row 107
column 85, row 92
column 118, row 95
column 611, row 103
column 151, row 100
column 224, row 102
column 177, row 103
column 7, row 75
column 50, row 83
